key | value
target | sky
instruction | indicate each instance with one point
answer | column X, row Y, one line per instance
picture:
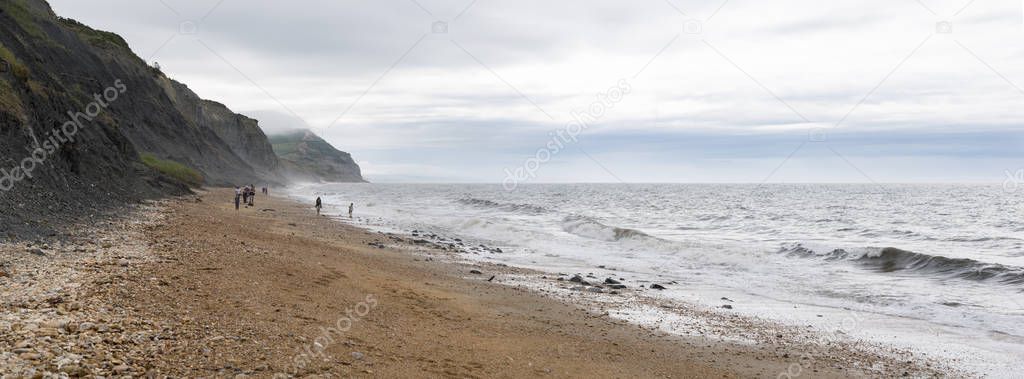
column 611, row 91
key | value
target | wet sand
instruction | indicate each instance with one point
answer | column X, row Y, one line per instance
column 192, row 287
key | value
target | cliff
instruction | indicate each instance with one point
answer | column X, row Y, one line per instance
column 241, row 136
column 78, row 112
column 307, row 157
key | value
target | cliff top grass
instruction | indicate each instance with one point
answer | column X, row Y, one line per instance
column 174, row 169
column 98, row 38
column 289, row 142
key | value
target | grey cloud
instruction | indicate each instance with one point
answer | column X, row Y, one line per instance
column 320, row 57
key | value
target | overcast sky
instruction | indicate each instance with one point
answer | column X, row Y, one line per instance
column 720, row 91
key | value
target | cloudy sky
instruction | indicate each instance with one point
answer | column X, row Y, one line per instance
column 720, row 91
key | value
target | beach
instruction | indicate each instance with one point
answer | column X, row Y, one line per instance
column 560, row 189
column 191, row 287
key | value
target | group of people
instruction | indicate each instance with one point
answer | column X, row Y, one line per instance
column 247, row 195
column 320, row 204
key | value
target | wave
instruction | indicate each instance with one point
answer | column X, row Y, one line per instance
column 510, row 207
column 982, row 239
column 589, row 228
column 891, row 260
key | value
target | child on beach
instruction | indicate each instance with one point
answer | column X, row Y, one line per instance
column 318, row 205
column 350, row 208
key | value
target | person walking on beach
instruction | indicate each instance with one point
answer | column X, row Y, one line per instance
column 319, row 205
column 351, row 206
column 238, row 197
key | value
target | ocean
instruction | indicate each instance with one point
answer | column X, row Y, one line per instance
column 937, row 269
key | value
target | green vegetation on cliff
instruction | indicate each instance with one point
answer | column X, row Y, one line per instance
column 174, row 169
column 98, row 38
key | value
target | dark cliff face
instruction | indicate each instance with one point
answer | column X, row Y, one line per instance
column 77, row 110
column 243, row 146
column 307, row 157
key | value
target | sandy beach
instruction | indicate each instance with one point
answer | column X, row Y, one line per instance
column 191, row 287
column 571, row 189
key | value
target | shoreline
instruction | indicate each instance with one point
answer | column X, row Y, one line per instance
column 188, row 286
column 833, row 336
column 964, row 323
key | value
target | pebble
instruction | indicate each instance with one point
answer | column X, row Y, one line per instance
column 72, row 370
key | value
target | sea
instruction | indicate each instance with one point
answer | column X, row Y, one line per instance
column 936, row 269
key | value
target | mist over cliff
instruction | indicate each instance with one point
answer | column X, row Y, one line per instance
column 307, row 157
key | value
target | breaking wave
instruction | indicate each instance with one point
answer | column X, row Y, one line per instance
column 509, row 207
column 589, row 228
column 893, row 260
